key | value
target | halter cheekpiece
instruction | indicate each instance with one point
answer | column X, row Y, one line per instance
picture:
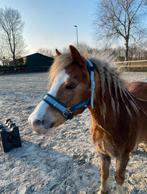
column 68, row 112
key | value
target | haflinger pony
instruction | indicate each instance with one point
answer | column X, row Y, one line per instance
column 119, row 119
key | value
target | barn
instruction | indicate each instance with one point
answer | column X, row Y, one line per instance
column 36, row 62
column 31, row 63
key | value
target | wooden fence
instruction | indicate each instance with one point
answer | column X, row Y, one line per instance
column 138, row 65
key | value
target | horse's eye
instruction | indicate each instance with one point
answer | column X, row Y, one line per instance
column 70, row 86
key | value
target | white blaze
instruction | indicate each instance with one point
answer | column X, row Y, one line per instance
column 41, row 108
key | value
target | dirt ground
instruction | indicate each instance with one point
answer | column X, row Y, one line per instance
column 63, row 161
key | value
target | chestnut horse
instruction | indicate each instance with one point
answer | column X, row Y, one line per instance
column 138, row 89
column 119, row 119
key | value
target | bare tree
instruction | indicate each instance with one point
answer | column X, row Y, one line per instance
column 84, row 48
column 11, row 27
column 121, row 19
column 46, row 51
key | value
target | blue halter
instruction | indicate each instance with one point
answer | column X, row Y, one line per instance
column 68, row 112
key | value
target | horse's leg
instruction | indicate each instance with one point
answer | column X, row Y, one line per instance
column 144, row 146
column 121, row 164
column 105, row 164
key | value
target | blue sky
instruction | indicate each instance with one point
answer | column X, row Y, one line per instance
column 50, row 23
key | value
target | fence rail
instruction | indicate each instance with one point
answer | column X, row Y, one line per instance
column 131, row 64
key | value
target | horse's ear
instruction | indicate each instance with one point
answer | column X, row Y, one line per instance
column 76, row 56
column 57, row 52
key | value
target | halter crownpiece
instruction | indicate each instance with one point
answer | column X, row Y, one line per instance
column 90, row 67
column 68, row 112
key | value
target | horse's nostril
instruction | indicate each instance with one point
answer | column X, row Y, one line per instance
column 52, row 124
column 37, row 122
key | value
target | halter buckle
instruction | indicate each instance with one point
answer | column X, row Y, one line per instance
column 67, row 114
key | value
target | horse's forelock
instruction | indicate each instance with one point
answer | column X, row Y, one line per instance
column 60, row 63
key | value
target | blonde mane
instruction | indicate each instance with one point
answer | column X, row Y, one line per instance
column 109, row 78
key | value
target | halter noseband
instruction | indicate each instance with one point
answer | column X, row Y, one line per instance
column 68, row 112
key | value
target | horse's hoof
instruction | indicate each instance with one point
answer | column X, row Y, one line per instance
column 120, row 190
column 103, row 192
column 145, row 148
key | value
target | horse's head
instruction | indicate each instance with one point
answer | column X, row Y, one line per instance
column 69, row 83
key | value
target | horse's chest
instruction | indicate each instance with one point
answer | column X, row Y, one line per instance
column 105, row 146
column 104, row 143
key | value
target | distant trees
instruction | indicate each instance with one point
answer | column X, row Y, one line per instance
column 120, row 19
column 11, row 41
column 136, row 52
column 84, row 48
column 46, row 51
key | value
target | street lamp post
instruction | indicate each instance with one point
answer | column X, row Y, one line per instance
column 76, row 27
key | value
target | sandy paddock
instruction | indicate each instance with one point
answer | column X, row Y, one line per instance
column 63, row 161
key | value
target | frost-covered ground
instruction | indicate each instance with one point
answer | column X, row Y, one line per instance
column 62, row 162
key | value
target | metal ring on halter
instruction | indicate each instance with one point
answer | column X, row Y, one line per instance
column 68, row 114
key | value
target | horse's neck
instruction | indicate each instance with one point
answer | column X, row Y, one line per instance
column 106, row 120
column 128, row 120
column 98, row 113
column 110, row 112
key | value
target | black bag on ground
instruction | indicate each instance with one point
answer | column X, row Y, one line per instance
column 10, row 137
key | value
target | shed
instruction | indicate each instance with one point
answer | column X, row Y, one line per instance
column 37, row 62
column 31, row 63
